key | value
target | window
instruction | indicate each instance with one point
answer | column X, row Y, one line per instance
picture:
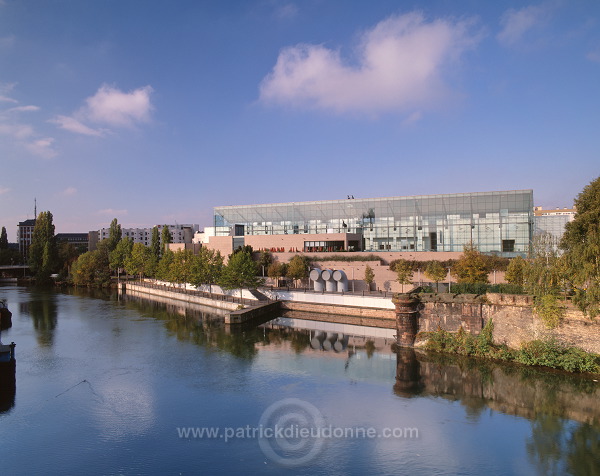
column 508, row 246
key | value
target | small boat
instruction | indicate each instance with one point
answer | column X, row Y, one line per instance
column 5, row 315
column 7, row 355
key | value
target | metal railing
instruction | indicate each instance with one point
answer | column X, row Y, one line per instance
column 189, row 292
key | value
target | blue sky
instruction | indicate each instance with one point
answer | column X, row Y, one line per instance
column 156, row 111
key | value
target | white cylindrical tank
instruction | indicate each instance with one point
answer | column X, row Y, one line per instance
column 315, row 275
column 330, row 284
column 342, row 280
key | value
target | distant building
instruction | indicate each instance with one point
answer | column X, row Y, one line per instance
column 553, row 221
column 24, row 237
column 179, row 234
column 79, row 240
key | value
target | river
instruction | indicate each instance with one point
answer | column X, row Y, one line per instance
column 110, row 385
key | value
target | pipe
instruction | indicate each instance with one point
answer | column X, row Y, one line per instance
column 330, row 284
column 315, row 275
column 342, row 280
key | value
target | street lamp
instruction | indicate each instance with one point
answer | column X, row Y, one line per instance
column 449, row 281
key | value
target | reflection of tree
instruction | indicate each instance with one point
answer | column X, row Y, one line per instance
column 43, row 310
column 558, row 446
column 370, row 348
column 299, row 341
column 583, row 450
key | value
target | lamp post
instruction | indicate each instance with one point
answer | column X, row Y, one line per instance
column 449, row 281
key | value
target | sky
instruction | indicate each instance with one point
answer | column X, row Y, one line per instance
column 156, row 111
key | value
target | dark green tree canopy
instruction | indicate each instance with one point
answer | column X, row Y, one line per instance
column 581, row 246
column 155, row 243
column 241, row 272
column 114, row 235
column 43, row 252
column 165, row 237
column 3, row 239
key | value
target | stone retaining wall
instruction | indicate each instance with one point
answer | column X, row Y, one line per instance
column 514, row 318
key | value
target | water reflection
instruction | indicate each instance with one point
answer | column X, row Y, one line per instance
column 7, row 387
column 517, row 390
column 43, row 310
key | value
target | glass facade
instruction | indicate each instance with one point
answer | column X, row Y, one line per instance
column 500, row 222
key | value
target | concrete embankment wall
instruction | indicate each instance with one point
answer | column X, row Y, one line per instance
column 332, row 309
column 515, row 321
column 166, row 293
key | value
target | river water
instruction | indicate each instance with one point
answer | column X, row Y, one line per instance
column 113, row 385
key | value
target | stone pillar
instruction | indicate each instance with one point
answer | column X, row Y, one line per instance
column 407, row 314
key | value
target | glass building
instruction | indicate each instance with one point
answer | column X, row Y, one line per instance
column 498, row 222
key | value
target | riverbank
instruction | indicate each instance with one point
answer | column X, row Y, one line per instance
column 538, row 353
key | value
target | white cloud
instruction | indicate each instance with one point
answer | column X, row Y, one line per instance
column 69, row 191
column 71, row 124
column 400, row 66
column 110, row 107
column 112, row 212
column 116, row 108
column 286, row 11
column 24, row 109
column 516, row 23
column 412, row 118
column 17, row 131
column 42, row 148
column 4, row 190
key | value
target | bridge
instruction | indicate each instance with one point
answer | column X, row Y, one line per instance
column 14, row 271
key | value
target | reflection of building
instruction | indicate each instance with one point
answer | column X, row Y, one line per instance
column 24, row 236
column 553, row 221
column 500, row 222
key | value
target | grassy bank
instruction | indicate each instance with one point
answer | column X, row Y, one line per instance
column 547, row 353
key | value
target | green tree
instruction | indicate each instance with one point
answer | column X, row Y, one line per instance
column 515, row 272
column 91, row 269
column 404, row 273
column 119, row 255
column 3, row 239
column 163, row 270
column 581, row 245
column 155, row 244
column 182, row 265
column 265, row 260
column 214, row 266
column 369, row 276
column 241, row 272
column 43, row 252
column 471, row 267
column 436, row 272
column 276, row 270
column 114, row 235
column 141, row 260
column 298, row 267
column 542, row 273
column 67, row 255
column 10, row 257
column 206, row 267
column 165, row 237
